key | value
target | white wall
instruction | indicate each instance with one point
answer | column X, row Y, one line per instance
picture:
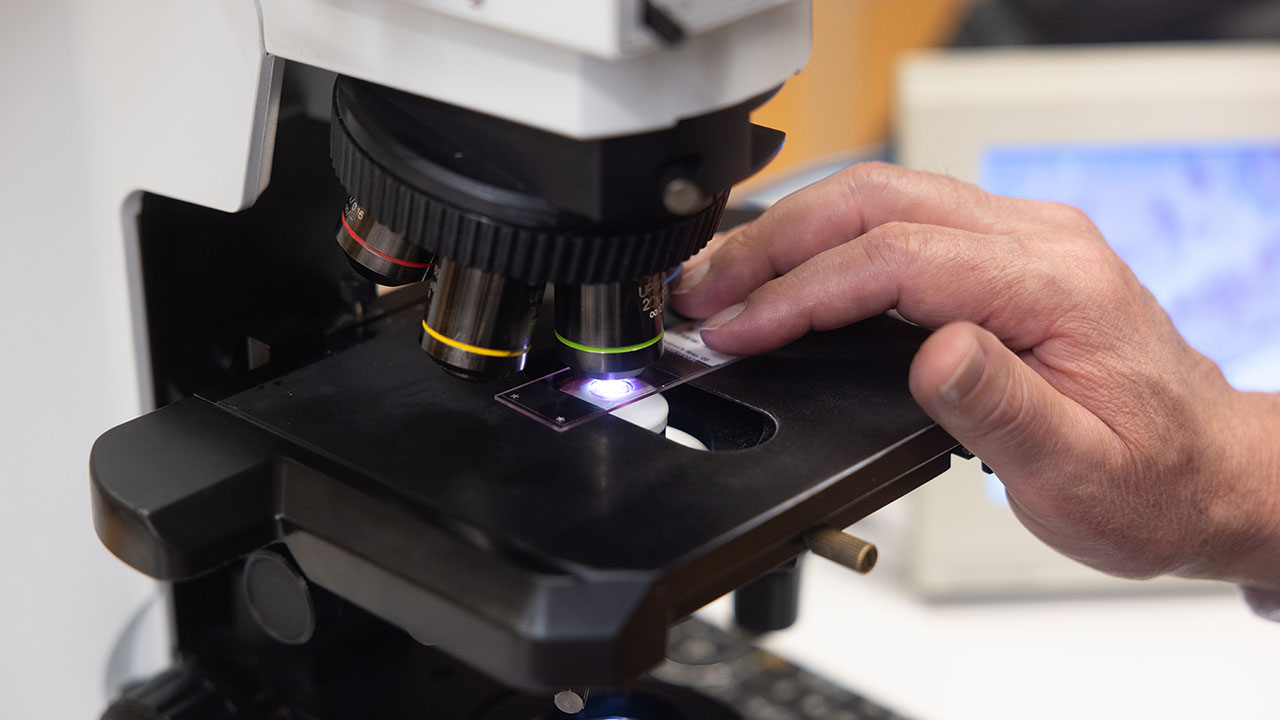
column 66, row 374
column 97, row 102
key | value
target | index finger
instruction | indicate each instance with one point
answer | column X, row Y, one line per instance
column 841, row 208
column 1021, row 287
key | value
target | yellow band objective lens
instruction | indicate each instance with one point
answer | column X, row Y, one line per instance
column 487, row 352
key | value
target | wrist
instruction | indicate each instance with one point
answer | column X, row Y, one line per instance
column 1244, row 513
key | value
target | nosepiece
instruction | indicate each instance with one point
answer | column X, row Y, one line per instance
column 505, row 208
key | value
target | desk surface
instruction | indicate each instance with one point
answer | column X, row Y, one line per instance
column 1184, row 656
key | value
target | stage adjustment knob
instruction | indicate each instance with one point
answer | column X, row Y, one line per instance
column 840, row 547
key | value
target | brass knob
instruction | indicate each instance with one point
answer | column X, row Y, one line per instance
column 840, row 547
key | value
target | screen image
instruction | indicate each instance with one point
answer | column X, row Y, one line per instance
column 1198, row 223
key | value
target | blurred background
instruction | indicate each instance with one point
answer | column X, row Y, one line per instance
column 1162, row 121
column 1160, row 118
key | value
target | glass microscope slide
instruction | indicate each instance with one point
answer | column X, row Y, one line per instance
column 565, row 399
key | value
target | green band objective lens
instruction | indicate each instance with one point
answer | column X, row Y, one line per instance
column 609, row 350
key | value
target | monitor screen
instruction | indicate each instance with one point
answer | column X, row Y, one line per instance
column 1198, row 223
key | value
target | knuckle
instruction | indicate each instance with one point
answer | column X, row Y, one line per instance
column 744, row 238
column 1097, row 255
column 1080, row 283
column 1105, row 278
column 868, row 177
column 779, row 289
column 874, row 171
column 1070, row 216
column 890, row 245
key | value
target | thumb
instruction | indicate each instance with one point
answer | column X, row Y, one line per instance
column 992, row 402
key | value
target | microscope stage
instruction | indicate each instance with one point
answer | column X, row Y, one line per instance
column 545, row 559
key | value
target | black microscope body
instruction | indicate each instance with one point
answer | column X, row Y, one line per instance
column 346, row 531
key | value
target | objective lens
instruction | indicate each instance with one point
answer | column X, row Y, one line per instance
column 610, row 330
column 478, row 325
column 377, row 252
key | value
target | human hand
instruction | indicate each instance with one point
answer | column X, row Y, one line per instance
column 1119, row 445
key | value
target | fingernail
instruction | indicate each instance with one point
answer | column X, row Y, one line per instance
column 966, row 376
column 720, row 319
column 690, row 278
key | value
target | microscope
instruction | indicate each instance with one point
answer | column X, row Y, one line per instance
column 348, row 513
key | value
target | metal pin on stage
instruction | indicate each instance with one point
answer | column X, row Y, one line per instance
column 840, row 547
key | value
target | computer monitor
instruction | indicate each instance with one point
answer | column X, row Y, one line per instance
column 1198, row 222
column 1174, row 152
